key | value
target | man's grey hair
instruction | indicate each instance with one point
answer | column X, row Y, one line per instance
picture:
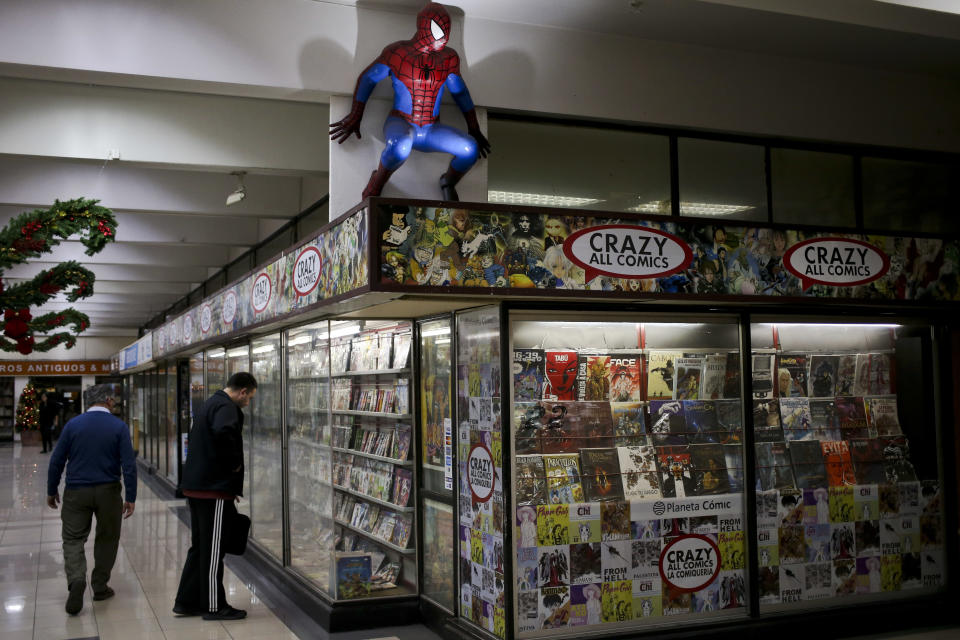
column 97, row 394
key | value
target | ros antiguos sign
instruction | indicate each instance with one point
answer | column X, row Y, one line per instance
column 627, row 251
column 835, row 262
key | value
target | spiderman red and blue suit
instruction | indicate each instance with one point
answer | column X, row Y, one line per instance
column 420, row 70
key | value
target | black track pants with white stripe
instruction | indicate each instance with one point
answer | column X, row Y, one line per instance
column 201, row 585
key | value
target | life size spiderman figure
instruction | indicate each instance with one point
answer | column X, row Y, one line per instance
column 420, row 69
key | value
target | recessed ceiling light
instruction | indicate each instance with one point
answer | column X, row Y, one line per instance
column 538, row 199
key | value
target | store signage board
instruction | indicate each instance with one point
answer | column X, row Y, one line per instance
column 260, row 294
column 55, row 367
column 627, row 251
column 306, row 271
column 690, row 563
column 187, row 328
column 206, row 318
column 229, row 310
column 447, row 454
column 835, row 262
column 481, row 473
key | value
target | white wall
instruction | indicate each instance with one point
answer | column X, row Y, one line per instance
column 87, row 348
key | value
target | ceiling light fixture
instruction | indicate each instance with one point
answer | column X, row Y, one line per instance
column 662, row 207
column 240, row 192
column 538, row 199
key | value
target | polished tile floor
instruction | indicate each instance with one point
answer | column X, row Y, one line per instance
column 153, row 545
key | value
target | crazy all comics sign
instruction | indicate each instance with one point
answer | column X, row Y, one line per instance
column 229, row 309
column 260, row 294
column 306, row 271
column 627, row 251
column 836, row 262
column 480, row 473
column 690, row 563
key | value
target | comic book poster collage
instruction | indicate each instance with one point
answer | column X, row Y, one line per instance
column 629, row 483
column 432, row 246
column 480, row 442
column 333, row 263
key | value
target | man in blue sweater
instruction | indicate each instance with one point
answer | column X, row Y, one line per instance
column 94, row 446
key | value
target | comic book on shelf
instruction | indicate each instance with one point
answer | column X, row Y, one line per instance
column 795, row 418
column 661, row 372
column 668, row 426
column 339, row 355
column 823, row 375
column 387, row 577
column 808, row 467
column 763, row 381
column 896, row 460
column 401, row 442
column 353, row 575
column 403, row 526
column 866, row 455
column 401, row 396
column 600, row 469
column 689, row 378
column 774, row 470
column 700, row 417
column 714, row 376
column 531, row 480
column 560, row 371
column 846, row 374
column 568, row 426
column 836, row 458
column 729, row 422
column 527, row 425
column 861, row 379
column 733, row 459
column 593, row 377
column 638, row 472
column 554, row 607
column 676, row 471
column 882, row 415
column 385, row 526
column 341, row 392
column 364, row 350
column 527, row 374
column 792, row 375
column 563, row 478
column 881, row 374
column 731, row 383
column 766, row 420
column 624, row 372
column 709, row 469
column 823, row 419
column 852, row 418
column 402, row 486
column 629, row 426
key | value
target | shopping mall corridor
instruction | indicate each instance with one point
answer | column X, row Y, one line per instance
column 153, row 545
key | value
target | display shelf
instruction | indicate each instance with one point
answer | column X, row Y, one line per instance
column 373, row 414
column 316, row 377
column 370, row 536
column 383, row 503
column 312, row 445
column 394, row 461
column 372, row 372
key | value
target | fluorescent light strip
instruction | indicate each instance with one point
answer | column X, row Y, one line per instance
column 239, row 352
column 300, row 340
column 439, row 331
column 215, row 354
column 264, row 349
column 691, row 208
column 538, row 199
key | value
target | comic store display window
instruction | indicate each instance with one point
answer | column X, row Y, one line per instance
column 629, row 508
column 848, row 484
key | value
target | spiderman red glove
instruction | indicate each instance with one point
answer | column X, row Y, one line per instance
column 343, row 129
column 473, row 128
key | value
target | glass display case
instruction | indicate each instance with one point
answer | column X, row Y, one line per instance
column 237, row 359
column 171, row 466
column 629, row 504
column 848, row 486
column 198, row 396
column 265, row 474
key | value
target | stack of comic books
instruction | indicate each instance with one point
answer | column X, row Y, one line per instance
column 401, row 350
column 401, row 441
column 562, row 472
column 403, row 526
column 531, row 480
column 402, row 486
column 601, row 474
column 341, row 392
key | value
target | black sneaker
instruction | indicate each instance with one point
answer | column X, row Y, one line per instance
column 75, row 599
column 225, row 613
column 182, row 610
column 104, row 595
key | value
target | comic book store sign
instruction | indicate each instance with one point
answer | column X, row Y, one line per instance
column 837, row 262
column 627, row 251
column 480, row 467
column 690, row 563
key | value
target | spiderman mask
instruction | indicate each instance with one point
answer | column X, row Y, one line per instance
column 433, row 28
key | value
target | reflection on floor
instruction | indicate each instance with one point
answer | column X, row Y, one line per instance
column 153, row 545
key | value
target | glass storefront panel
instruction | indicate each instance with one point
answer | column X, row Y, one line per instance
column 171, row 428
column 848, row 481
column 198, row 396
column 901, row 195
column 238, row 359
column 628, row 471
column 812, row 187
column 722, row 180
column 266, row 446
column 438, row 567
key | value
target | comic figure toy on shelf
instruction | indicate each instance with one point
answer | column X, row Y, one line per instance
column 420, row 69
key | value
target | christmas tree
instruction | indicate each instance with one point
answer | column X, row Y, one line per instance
column 28, row 411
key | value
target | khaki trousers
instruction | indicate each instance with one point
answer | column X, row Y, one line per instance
column 79, row 507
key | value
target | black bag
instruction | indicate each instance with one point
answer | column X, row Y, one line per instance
column 235, row 534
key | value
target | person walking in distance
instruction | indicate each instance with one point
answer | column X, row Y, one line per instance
column 95, row 446
column 49, row 414
column 212, row 481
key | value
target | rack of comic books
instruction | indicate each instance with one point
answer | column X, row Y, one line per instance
column 624, row 453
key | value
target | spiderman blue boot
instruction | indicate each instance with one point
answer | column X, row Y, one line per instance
column 448, row 181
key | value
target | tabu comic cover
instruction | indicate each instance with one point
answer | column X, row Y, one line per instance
column 667, row 423
column 841, row 504
column 585, row 563
column 569, row 426
column 843, row 578
column 714, row 377
column 852, row 418
column 792, row 580
column 601, row 474
column 531, row 480
column 638, row 471
column 585, row 522
column 615, row 520
column 866, row 454
column 527, row 374
column 615, row 559
column 891, row 572
column 624, row 377
column 808, row 467
column 823, row 418
column 766, row 420
column 676, row 471
column 617, row 601
column 645, row 606
column 842, row 541
column 563, row 478
column 527, row 561
column 554, row 607
column 560, row 375
column 528, row 610
column 823, row 376
column 733, row 550
column 818, row 580
column 593, row 377
column 846, row 374
column 881, row 374
column 585, row 605
column 795, row 419
column 701, row 421
column 882, row 415
column 709, row 469
column 729, row 421
column 553, row 565
column 763, row 375
column 818, row 542
column 769, row 579
column 661, row 374
column 792, row 376
column 733, row 459
column 836, row 458
column 629, row 426
column 553, row 524
column 689, row 376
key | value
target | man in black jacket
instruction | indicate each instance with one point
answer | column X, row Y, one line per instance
column 212, row 481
